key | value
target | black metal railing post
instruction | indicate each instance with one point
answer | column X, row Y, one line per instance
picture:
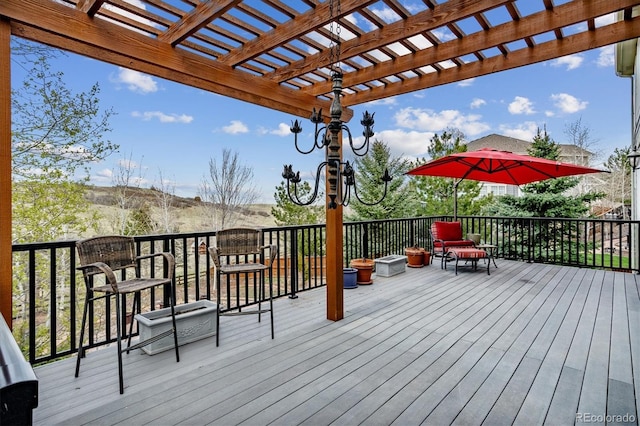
column 294, row 264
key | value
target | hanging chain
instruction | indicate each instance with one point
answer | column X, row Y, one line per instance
column 334, row 41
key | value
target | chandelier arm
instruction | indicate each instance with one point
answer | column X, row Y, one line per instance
column 360, row 150
column 317, row 143
column 294, row 196
column 302, row 151
column 386, row 184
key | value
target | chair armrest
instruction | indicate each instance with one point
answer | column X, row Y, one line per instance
column 272, row 249
column 171, row 261
column 104, row 268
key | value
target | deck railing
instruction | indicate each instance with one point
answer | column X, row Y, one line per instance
column 49, row 292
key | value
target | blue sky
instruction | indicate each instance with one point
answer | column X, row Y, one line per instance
column 175, row 129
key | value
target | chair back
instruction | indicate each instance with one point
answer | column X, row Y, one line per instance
column 238, row 241
column 446, row 231
column 116, row 251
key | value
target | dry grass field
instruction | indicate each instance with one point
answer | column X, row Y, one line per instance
column 187, row 214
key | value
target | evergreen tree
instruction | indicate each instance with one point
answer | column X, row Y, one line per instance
column 549, row 198
column 399, row 202
column 286, row 212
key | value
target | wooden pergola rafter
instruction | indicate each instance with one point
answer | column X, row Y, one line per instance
column 274, row 53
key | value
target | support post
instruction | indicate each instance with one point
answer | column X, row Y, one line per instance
column 335, row 259
column 5, row 172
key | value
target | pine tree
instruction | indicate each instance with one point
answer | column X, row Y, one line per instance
column 399, row 201
column 548, row 198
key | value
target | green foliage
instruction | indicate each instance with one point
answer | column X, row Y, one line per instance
column 400, row 200
column 547, row 198
column 46, row 208
column 436, row 194
column 53, row 128
column 139, row 221
column 56, row 134
column 286, row 212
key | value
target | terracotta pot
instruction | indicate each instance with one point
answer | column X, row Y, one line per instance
column 415, row 257
column 365, row 268
column 427, row 258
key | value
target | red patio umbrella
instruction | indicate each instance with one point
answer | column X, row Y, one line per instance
column 490, row 165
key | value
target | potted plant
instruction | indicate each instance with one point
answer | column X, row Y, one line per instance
column 416, row 257
column 365, row 269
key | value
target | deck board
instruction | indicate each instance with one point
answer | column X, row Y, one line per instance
column 529, row 344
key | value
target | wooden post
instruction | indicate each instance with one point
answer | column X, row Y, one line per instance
column 5, row 172
column 335, row 295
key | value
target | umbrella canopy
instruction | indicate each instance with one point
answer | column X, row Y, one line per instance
column 490, row 165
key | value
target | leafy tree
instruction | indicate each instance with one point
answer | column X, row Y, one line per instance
column 286, row 212
column 436, row 194
column 618, row 183
column 227, row 189
column 56, row 134
column 399, row 201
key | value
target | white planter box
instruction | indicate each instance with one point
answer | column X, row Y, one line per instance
column 195, row 321
column 390, row 265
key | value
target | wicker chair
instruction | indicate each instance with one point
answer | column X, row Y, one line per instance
column 107, row 255
column 445, row 235
column 236, row 252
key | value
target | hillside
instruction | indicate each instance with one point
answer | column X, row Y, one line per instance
column 188, row 213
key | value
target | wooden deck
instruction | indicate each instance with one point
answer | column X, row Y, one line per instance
column 529, row 344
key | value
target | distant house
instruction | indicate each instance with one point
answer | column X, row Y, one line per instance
column 568, row 154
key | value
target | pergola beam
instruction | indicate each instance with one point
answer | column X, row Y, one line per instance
column 69, row 29
column 416, row 24
column 604, row 36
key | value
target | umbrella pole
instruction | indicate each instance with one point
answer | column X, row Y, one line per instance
column 455, row 199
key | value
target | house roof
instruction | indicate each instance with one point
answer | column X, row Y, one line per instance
column 519, row 146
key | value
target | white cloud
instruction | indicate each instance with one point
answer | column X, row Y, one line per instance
column 525, row 131
column 549, row 113
column 403, row 143
column 571, row 62
column 466, row 83
column 431, row 121
column 392, row 100
column 136, row 81
column 162, row 117
column 477, row 103
column 521, row 105
column 105, row 173
column 282, row 130
column 606, row 57
column 567, row 103
column 235, row 127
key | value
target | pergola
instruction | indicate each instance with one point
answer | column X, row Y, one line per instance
column 274, row 53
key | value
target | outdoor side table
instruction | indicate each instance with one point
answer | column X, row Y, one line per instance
column 468, row 254
column 489, row 248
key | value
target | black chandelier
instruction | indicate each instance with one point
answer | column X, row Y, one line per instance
column 340, row 175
